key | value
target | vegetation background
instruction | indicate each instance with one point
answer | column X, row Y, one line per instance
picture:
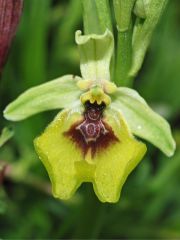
column 44, row 49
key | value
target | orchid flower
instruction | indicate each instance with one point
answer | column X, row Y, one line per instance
column 93, row 138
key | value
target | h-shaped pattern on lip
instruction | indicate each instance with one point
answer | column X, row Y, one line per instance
column 92, row 127
column 92, row 133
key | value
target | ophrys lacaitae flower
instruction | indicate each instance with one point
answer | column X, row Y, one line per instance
column 92, row 139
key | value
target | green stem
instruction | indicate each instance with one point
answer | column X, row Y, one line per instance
column 123, row 58
column 104, row 15
column 91, row 216
column 123, row 15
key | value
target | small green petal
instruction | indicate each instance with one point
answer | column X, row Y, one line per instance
column 55, row 94
column 95, row 56
column 143, row 121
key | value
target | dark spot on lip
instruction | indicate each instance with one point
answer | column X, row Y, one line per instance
column 96, row 106
column 84, row 137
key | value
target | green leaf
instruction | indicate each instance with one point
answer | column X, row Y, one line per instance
column 56, row 94
column 6, row 134
column 143, row 121
column 95, row 55
column 36, row 15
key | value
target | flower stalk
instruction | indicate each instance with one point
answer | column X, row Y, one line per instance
column 124, row 25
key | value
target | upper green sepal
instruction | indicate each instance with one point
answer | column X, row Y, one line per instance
column 143, row 121
column 95, row 55
column 56, row 94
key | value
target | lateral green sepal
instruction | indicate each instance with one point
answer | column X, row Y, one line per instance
column 143, row 121
column 56, row 94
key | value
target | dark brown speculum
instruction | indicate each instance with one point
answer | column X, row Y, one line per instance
column 92, row 133
column 92, row 126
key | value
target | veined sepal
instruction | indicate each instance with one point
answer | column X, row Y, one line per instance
column 95, row 56
column 56, row 94
column 142, row 120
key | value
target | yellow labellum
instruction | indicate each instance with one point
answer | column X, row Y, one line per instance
column 68, row 167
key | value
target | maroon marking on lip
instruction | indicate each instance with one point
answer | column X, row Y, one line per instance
column 92, row 133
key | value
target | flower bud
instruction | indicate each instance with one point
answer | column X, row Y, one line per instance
column 10, row 12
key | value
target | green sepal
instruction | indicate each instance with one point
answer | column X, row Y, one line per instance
column 143, row 121
column 56, row 94
column 95, row 55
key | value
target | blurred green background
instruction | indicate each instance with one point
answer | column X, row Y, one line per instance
column 149, row 207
